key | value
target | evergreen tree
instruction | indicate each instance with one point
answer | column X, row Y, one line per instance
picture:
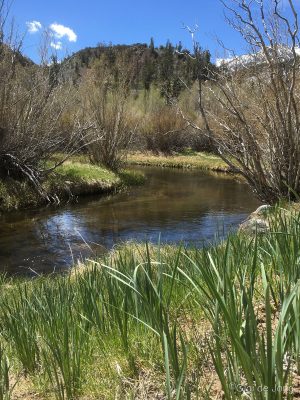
column 151, row 46
column 54, row 71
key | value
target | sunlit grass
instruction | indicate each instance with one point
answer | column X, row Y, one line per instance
column 75, row 177
column 82, row 171
column 204, row 161
column 160, row 320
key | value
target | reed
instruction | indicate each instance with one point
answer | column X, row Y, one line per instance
column 163, row 312
column 5, row 384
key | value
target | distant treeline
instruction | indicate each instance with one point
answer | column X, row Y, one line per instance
column 171, row 67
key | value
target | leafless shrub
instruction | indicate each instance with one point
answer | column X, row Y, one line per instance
column 164, row 130
column 188, row 105
column 32, row 108
column 107, row 93
column 250, row 106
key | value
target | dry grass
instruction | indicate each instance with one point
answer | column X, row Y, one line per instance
column 202, row 161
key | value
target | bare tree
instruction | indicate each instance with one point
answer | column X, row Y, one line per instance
column 33, row 107
column 250, row 105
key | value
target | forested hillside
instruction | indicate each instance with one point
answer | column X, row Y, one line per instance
column 170, row 66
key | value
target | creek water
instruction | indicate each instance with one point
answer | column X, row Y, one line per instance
column 176, row 205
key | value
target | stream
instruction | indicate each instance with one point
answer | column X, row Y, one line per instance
column 177, row 206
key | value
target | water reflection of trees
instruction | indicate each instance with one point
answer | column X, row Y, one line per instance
column 177, row 204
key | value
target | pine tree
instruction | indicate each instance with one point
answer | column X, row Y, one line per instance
column 151, row 46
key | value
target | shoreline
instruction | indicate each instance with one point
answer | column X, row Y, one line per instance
column 201, row 161
column 78, row 178
column 70, row 181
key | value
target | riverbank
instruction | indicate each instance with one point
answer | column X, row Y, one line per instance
column 159, row 321
column 202, row 161
column 189, row 205
column 69, row 181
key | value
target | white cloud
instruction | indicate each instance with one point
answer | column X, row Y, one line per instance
column 60, row 31
column 56, row 45
column 33, row 26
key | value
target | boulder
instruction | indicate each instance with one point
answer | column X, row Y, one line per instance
column 262, row 210
column 256, row 222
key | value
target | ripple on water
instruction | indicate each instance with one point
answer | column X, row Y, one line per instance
column 180, row 205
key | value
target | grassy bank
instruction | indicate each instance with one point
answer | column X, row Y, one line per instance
column 160, row 322
column 72, row 179
column 204, row 161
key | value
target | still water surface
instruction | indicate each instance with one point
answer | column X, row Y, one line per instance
column 180, row 205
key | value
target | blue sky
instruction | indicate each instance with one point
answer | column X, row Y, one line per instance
column 78, row 24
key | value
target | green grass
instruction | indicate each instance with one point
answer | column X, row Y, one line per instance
column 160, row 321
column 204, row 161
column 15, row 195
column 74, row 178
column 77, row 171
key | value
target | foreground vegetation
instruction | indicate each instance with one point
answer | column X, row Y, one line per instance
column 160, row 322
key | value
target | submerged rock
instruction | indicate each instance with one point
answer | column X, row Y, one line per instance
column 256, row 222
